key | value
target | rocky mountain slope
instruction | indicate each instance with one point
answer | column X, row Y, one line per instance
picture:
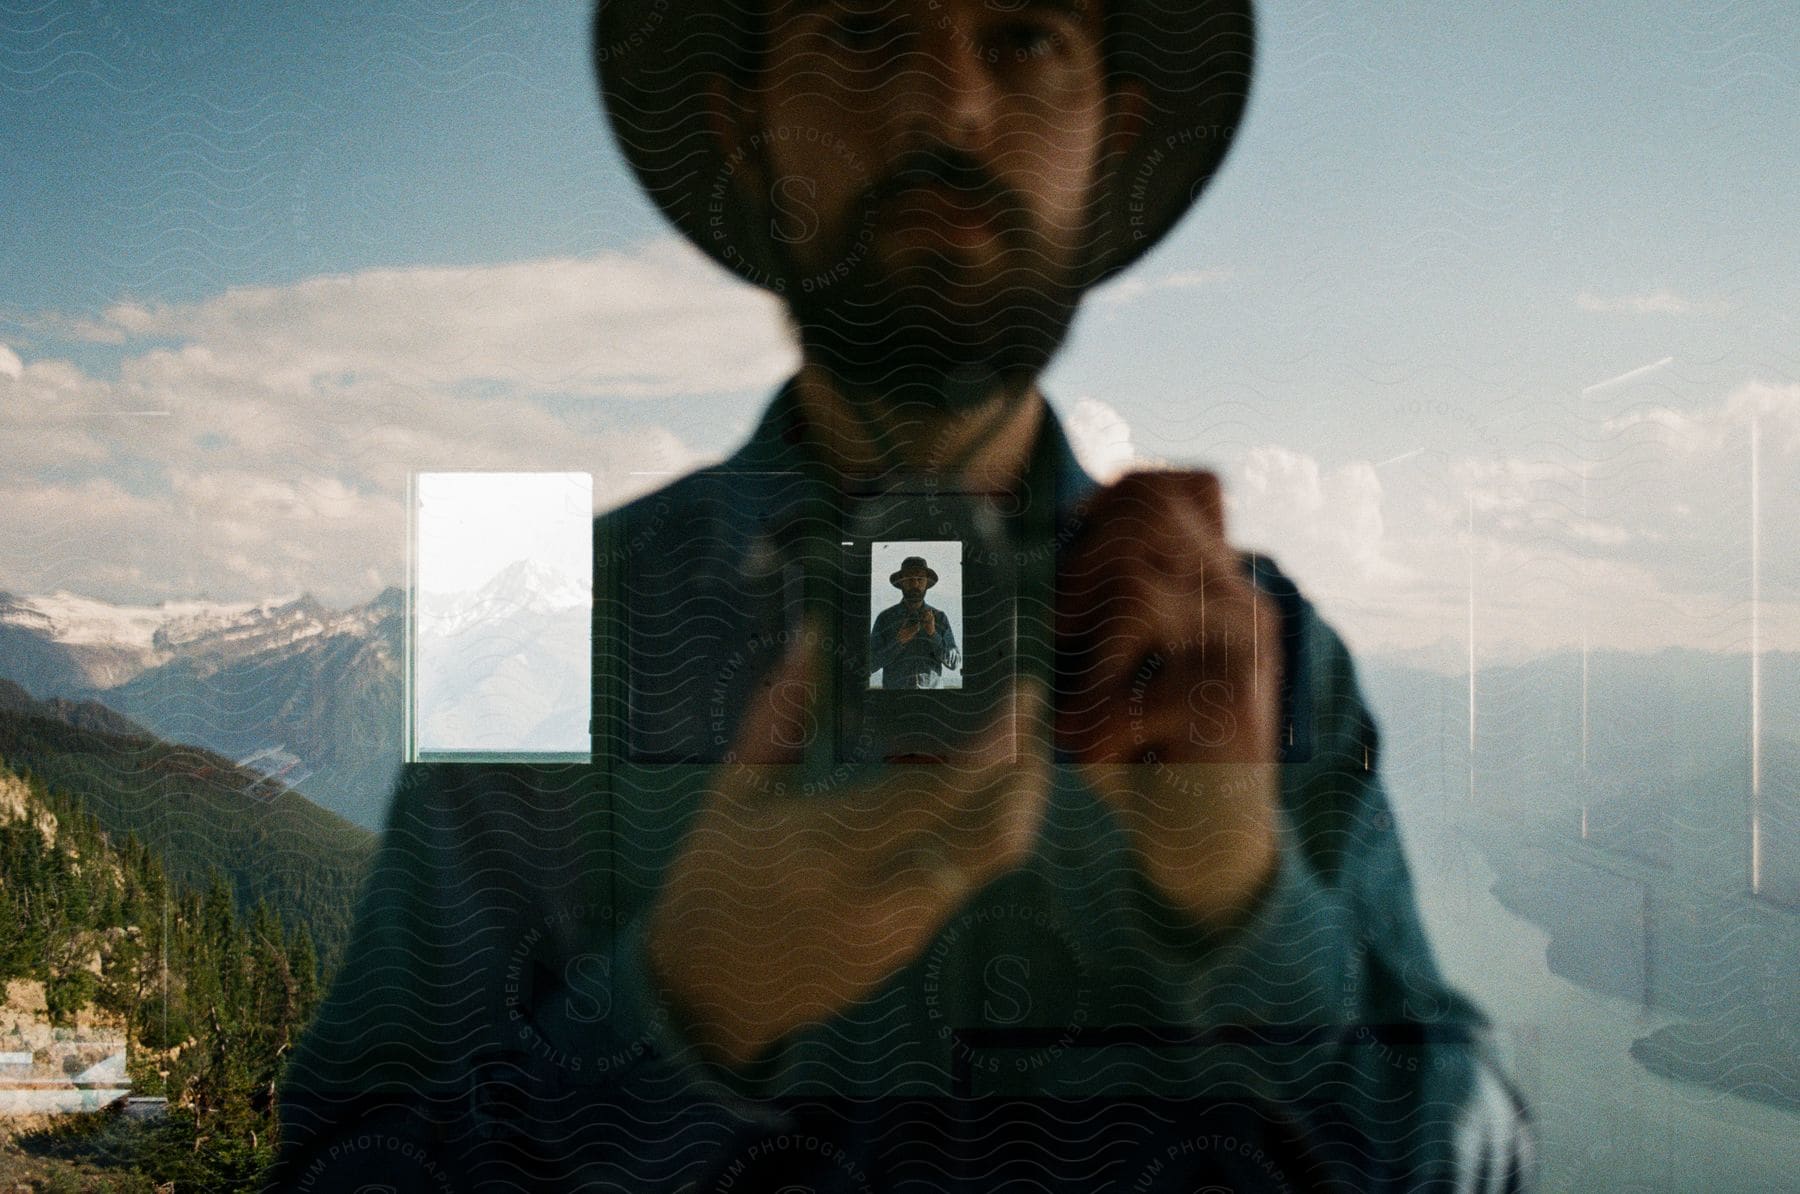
column 290, row 688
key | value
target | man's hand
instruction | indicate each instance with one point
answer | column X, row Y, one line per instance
column 908, row 631
column 1168, row 688
column 931, row 623
column 781, row 910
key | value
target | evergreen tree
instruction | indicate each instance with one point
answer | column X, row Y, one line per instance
column 303, row 964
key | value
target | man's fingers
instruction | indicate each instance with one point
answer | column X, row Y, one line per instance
column 843, row 887
column 1158, row 627
column 1013, row 763
column 1196, row 713
column 1156, row 652
column 1151, row 546
column 1203, row 612
column 1206, row 830
column 1208, row 498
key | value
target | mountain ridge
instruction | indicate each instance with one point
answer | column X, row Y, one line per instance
column 197, row 809
column 288, row 684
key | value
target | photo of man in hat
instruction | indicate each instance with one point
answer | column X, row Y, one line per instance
column 911, row 643
column 1160, row 904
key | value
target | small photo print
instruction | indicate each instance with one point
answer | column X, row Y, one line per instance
column 916, row 614
column 500, row 647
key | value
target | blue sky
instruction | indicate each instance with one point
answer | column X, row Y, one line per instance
column 324, row 249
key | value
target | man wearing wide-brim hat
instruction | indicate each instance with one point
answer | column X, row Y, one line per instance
column 912, row 642
column 1168, row 873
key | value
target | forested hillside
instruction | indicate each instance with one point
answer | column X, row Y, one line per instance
column 206, row 994
column 196, row 812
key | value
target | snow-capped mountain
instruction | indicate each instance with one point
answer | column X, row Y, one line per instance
column 313, row 695
column 62, row 643
column 523, row 586
column 219, row 637
column 286, row 678
column 505, row 668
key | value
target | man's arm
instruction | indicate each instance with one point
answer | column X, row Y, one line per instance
column 1270, row 902
column 884, row 642
column 1360, row 1035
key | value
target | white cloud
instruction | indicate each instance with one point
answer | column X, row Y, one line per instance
column 1131, row 287
column 1774, row 408
column 1652, row 553
column 1642, row 545
column 124, row 319
column 1101, row 439
column 1661, row 301
column 10, row 364
column 1325, row 526
column 295, row 414
column 1506, row 486
column 656, row 322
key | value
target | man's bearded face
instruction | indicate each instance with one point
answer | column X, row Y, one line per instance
column 930, row 166
column 912, row 588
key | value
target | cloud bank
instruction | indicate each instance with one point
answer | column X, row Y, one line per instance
column 1632, row 530
column 261, row 440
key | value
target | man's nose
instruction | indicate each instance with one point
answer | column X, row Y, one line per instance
column 956, row 81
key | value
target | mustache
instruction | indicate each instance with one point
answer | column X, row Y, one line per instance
column 956, row 170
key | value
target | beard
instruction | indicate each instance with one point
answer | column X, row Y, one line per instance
column 926, row 328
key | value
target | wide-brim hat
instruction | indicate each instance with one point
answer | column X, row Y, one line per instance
column 914, row 565
column 654, row 58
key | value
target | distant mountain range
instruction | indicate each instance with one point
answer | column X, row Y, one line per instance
column 521, row 586
column 289, row 687
column 314, row 696
column 1666, row 739
column 506, row 666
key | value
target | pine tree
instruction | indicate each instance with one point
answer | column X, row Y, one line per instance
column 303, row 963
column 271, row 998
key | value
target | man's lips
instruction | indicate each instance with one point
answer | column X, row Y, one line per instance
column 956, row 216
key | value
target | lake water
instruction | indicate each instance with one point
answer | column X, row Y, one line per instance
column 1604, row 1122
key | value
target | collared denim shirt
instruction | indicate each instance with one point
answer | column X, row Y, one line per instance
column 918, row 663
column 493, row 1024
